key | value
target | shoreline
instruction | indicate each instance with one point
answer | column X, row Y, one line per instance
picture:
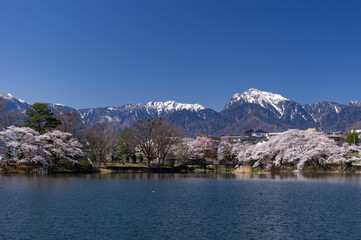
column 28, row 170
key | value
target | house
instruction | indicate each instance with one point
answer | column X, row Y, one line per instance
column 260, row 134
column 250, row 136
column 249, row 132
column 338, row 133
column 242, row 139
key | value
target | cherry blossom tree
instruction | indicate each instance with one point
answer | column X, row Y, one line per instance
column 227, row 151
column 61, row 146
column 183, row 150
column 23, row 145
column 200, row 147
column 298, row 148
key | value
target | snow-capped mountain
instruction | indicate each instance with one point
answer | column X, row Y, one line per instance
column 9, row 97
column 331, row 116
column 260, row 109
column 262, row 98
column 320, row 110
column 251, row 109
column 154, row 109
column 172, row 106
column 125, row 115
column 12, row 103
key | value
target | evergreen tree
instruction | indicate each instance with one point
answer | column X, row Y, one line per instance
column 124, row 147
column 353, row 139
column 40, row 118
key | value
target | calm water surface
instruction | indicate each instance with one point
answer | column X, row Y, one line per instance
column 164, row 206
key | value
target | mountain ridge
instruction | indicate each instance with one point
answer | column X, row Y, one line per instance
column 251, row 109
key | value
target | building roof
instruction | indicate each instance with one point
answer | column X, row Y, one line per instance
column 249, row 131
column 260, row 131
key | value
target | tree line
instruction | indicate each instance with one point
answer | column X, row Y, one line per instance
column 46, row 139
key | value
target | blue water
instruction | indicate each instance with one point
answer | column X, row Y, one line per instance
column 163, row 206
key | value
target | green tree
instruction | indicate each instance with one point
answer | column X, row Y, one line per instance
column 123, row 147
column 353, row 139
column 40, row 118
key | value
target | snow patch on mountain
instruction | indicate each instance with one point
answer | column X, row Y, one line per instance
column 355, row 103
column 7, row 96
column 110, row 119
column 172, row 106
column 10, row 97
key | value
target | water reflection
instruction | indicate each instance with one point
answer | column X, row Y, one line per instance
column 33, row 181
column 298, row 176
column 292, row 176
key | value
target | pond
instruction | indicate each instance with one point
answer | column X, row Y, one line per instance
column 180, row 206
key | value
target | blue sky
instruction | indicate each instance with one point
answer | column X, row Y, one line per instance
column 110, row 53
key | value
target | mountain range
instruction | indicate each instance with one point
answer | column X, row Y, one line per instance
column 252, row 109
